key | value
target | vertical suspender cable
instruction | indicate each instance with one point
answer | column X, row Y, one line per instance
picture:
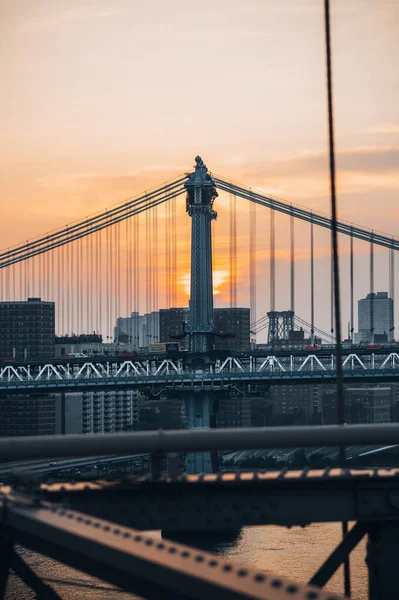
column 99, row 286
column 112, row 286
column 311, row 284
column 331, row 294
column 13, row 273
column 127, row 269
column 78, row 290
column 156, row 258
column 174, row 254
column 81, row 287
column 67, row 289
column 334, row 241
column 292, row 262
column 53, row 276
column 127, row 278
column 47, row 275
column 21, row 266
column 352, row 329
column 272, row 262
column 61, row 289
column 25, row 275
column 252, row 261
column 96, row 277
column 136, row 240
column 148, row 280
column 392, row 291
column 167, row 253
column 233, row 250
column 372, row 290
column 7, row 283
column 39, row 275
column 31, row 278
column 89, row 287
column 107, row 274
column 75, row 288
column 118, row 272
column 214, row 242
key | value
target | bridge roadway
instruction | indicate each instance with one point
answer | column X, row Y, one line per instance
column 187, row 371
column 53, row 466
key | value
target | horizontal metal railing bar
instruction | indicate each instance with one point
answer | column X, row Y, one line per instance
column 197, row 440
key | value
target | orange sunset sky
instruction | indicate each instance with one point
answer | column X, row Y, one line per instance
column 103, row 100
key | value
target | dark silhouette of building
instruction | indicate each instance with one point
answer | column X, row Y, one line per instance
column 27, row 329
column 163, row 413
column 231, row 326
column 79, row 339
column 172, row 326
column 28, row 415
column 363, row 404
column 289, row 399
column 368, row 404
column 233, row 410
column 232, row 329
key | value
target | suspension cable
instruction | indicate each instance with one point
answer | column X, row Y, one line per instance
column 334, row 242
column 306, row 215
column 72, row 233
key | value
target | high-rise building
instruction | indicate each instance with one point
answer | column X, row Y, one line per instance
column 28, row 414
column 364, row 403
column 368, row 404
column 231, row 326
column 234, row 410
column 27, row 329
column 232, row 329
column 291, row 399
column 100, row 412
column 172, row 326
column 375, row 318
column 137, row 331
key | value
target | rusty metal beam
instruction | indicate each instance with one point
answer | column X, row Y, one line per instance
column 138, row 563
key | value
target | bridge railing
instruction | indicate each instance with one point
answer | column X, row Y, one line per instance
column 200, row 440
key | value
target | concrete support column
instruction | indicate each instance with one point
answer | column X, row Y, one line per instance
column 199, row 407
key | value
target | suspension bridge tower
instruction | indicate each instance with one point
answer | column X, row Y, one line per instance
column 201, row 193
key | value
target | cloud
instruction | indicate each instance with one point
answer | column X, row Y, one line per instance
column 362, row 159
column 385, row 128
column 72, row 15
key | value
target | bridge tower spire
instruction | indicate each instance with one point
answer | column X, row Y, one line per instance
column 201, row 193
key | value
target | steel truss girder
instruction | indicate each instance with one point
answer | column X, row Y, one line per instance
column 235, row 500
column 113, row 370
column 192, row 380
column 138, row 563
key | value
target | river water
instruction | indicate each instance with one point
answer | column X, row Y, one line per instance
column 296, row 553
